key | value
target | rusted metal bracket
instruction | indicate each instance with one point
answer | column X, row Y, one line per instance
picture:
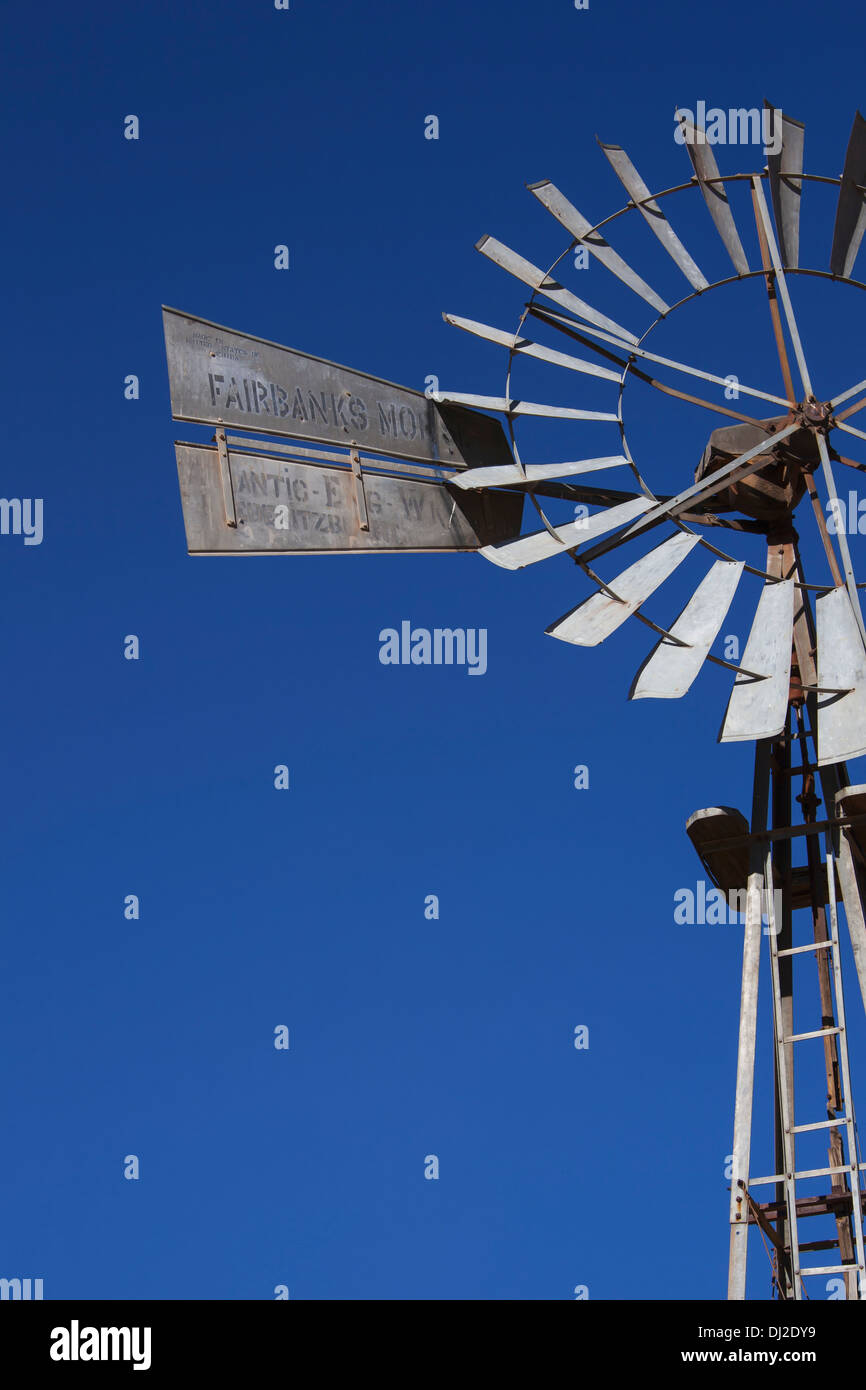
column 360, row 495
column 226, row 479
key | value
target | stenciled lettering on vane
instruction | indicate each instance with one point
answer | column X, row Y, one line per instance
column 254, row 396
column 413, row 506
column 291, row 500
column 399, row 421
column 389, row 419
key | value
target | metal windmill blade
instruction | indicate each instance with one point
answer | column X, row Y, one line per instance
column 763, row 481
column 851, row 209
column 759, row 703
column 583, row 231
column 715, row 197
column 521, row 474
column 604, row 612
column 786, row 184
column 842, row 680
column 558, row 540
column 653, row 215
column 546, row 285
column 673, row 665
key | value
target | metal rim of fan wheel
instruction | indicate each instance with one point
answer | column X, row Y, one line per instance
column 759, row 698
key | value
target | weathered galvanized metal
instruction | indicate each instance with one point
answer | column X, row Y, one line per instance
column 652, row 214
column 542, row 545
column 516, row 343
column 786, row 188
column 673, row 666
column 221, row 377
column 715, row 197
column 757, row 709
column 581, row 229
column 601, row 614
column 534, row 472
column 511, row 407
column 851, row 208
column 287, row 507
column 841, row 538
column 846, row 396
column 841, row 666
column 545, row 284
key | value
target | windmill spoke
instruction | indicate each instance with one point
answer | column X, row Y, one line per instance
column 846, row 396
column 552, row 318
column 850, row 429
column 773, row 302
column 852, row 410
column 691, row 496
column 574, row 222
column 714, row 193
column 654, row 382
column 538, row 280
column 783, row 286
column 672, row 666
column 758, row 708
column 822, row 528
column 652, row 214
column 601, row 614
column 697, row 400
column 517, row 344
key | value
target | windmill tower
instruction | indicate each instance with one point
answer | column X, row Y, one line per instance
column 441, row 473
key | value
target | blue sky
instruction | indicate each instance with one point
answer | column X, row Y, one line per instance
column 602, row 1167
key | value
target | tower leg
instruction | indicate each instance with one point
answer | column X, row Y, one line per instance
column 748, row 1029
column 783, row 925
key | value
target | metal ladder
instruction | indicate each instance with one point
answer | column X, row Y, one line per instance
column 843, row 1121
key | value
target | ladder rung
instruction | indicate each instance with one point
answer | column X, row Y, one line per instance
column 818, row 1033
column 832, row 1269
column 807, row 1173
column 812, row 946
column 820, row 1124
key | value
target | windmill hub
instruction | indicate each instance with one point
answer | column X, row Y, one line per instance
column 817, row 414
column 773, row 491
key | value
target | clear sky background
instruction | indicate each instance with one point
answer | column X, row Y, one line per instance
column 409, row 1037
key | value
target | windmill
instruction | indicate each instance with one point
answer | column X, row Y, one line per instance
column 439, row 472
